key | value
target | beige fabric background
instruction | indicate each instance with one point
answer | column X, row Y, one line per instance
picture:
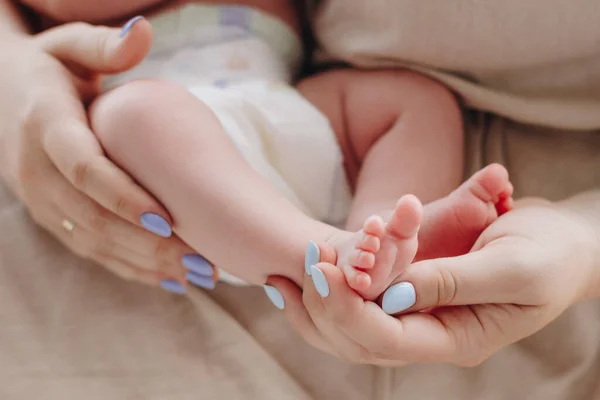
column 537, row 61
column 69, row 330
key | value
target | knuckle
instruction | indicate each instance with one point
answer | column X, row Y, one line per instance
column 446, row 287
column 98, row 219
column 341, row 319
column 81, row 249
column 80, row 173
column 162, row 249
column 102, row 42
column 38, row 216
column 26, row 171
column 365, row 356
column 127, row 274
column 103, row 248
column 122, row 205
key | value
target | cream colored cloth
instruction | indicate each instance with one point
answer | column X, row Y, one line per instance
column 69, row 330
column 534, row 61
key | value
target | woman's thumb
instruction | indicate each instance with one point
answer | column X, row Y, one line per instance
column 479, row 277
column 99, row 49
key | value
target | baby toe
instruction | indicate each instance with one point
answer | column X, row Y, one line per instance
column 357, row 280
column 369, row 243
column 374, row 226
column 361, row 259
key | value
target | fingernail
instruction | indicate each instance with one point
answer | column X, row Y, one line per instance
column 199, row 280
column 156, row 224
column 398, row 298
column 128, row 25
column 312, row 256
column 319, row 280
column 172, row 286
column 275, row 297
column 197, row 264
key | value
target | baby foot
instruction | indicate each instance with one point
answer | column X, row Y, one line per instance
column 380, row 250
column 374, row 256
column 452, row 224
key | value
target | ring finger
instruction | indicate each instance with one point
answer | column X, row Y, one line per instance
column 81, row 242
column 108, row 247
column 157, row 251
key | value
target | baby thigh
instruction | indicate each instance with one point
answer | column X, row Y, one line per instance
column 175, row 147
column 146, row 127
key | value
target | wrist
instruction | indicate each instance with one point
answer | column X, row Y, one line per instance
column 585, row 210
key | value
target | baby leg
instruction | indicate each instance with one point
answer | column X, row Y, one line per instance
column 402, row 133
column 174, row 145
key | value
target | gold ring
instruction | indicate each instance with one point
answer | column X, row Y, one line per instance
column 68, row 225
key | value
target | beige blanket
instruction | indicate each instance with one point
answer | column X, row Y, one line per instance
column 69, row 330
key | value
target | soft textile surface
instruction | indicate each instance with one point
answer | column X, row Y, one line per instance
column 69, row 330
column 535, row 61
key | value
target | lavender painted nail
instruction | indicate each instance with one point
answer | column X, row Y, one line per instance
column 399, row 297
column 320, row 281
column 312, row 256
column 275, row 297
column 128, row 25
column 172, row 286
column 156, row 224
column 199, row 280
column 197, row 264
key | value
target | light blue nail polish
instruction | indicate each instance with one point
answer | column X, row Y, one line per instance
column 312, row 256
column 197, row 264
column 398, row 298
column 156, row 224
column 172, row 286
column 128, row 25
column 275, row 297
column 319, row 280
column 199, row 280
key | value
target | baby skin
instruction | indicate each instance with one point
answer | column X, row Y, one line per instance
column 375, row 255
column 400, row 133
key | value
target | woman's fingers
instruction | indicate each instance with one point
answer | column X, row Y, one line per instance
column 99, row 49
column 81, row 242
column 365, row 334
column 348, row 319
column 82, row 210
column 286, row 296
column 127, row 271
column 76, row 153
column 493, row 274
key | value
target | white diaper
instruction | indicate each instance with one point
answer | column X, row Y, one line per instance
column 239, row 61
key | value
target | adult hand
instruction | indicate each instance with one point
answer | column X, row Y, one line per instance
column 54, row 162
column 523, row 272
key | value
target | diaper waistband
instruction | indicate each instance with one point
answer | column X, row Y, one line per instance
column 188, row 25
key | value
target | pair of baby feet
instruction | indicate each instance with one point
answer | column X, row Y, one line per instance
column 377, row 254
